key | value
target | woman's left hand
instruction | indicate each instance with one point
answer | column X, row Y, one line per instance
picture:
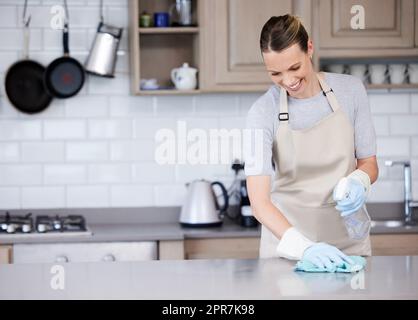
column 356, row 196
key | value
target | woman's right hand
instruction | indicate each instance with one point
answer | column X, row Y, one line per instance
column 323, row 255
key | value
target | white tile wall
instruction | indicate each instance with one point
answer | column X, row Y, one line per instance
column 88, row 196
column 97, row 148
column 36, row 197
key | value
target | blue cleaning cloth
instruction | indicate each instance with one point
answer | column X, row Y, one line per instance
column 359, row 264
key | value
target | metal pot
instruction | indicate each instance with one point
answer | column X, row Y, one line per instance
column 102, row 58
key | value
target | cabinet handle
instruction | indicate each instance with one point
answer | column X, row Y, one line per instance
column 109, row 258
column 61, row 259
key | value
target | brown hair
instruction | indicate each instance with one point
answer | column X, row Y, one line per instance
column 280, row 32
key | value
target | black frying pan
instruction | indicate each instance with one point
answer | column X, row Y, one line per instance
column 64, row 77
column 24, row 81
column 25, row 87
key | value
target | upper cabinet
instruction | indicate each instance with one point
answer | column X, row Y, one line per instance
column 222, row 42
column 416, row 23
column 387, row 23
column 230, row 41
column 389, row 28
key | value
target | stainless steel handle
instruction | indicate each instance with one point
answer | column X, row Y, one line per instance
column 62, row 259
column 109, row 258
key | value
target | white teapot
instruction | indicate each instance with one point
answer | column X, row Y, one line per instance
column 184, row 78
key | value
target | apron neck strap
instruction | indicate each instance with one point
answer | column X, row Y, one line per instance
column 328, row 93
column 326, row 90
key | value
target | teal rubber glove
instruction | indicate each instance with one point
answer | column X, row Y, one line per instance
column 355, row 197
column 323, row 255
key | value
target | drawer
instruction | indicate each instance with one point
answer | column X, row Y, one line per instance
column 85, row 252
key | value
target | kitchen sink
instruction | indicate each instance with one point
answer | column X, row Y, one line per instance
column 388, row 223
column 392, row 226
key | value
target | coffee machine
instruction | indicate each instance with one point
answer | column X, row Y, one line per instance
column 245, row 214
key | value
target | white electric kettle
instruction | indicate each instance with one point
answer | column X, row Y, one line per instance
column 201, row 208
column 184, row 78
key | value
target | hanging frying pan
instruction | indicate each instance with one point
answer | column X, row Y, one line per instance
column 64, row 77
column 24, row 80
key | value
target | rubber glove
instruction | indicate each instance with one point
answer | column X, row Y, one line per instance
column 295, row 246
column 323, row 255
column 357, row 190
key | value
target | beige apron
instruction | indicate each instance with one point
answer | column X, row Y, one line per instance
column 309, row 163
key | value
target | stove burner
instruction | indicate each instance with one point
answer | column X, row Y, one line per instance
column 43, row 224
column 16, row 224
column 60, row 224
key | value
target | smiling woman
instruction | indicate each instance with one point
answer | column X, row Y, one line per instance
column 291, row 68
column 317, row 130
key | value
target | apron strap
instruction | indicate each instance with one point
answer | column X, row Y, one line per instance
column 328, row 93
column 326, row 90
column 283, row 109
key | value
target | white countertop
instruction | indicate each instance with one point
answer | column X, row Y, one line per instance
column 383, row 278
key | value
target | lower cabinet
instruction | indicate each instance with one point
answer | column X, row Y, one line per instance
column 394, row 244
column 85, row 252
column 210, row 248
column 5, row 254
column 221, row 248
column 248, row 248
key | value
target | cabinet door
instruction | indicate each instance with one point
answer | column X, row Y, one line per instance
column 416, row 23
column 388, row 24
column 221, row 248
column 84, row 252
column 394, row 244
column 232, row 58
column 5, row 254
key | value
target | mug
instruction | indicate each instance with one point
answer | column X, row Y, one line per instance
column 336, row 68
column 161, row 19
column 149, row 84
column 413, row 73
column 397, row 73
column 377, row 73
column 359, row 71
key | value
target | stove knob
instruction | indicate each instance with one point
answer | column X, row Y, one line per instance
column 26, row 228
column 11, row 228
column 61, row 259
column 41, row 227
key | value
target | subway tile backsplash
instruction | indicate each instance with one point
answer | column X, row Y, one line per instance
column 97, row 148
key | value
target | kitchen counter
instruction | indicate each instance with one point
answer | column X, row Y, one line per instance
column 383, row 278
column 154, row 224
column 136, row 232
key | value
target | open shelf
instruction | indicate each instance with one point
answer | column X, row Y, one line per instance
column 156, row 51
column 169, row 30
column 392, row 86
column 167, row 92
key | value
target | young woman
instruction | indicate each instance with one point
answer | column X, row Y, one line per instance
column 317, row 129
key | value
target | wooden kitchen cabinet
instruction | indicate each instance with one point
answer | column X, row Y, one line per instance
column 390, row 29
column 5, row 254
column 230, row 41
column 221, row 248
column 171, row 250
column 154, row 52
column 416, row 23
column 84, row 252
column 394, row 244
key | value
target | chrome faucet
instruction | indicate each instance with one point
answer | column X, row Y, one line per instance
column 408, row 203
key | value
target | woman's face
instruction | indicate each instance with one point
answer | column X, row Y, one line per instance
column 291, row 69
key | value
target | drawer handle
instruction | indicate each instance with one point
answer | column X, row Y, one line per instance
column 61, row 259
column 109, row 258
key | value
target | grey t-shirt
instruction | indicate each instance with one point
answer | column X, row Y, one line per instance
column 304, row 113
